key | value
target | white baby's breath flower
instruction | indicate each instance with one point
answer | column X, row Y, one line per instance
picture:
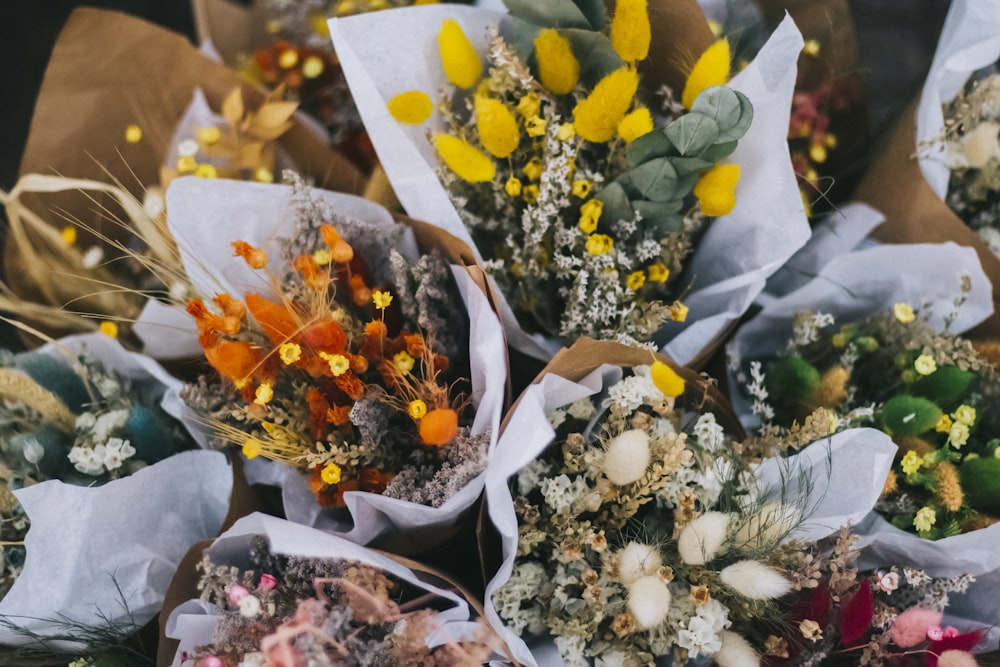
column 531, row 476
column 702, row 539
column 581, row 409
column 754, row 580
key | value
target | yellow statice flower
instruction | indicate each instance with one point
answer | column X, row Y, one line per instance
column 497, row 126
column 461, row 63
column 565, row 132
column 533, row 170
column 597, row 116
column 558, row 68
column 911, row 462
column 206, row 171
column 339, row 364
column 590, row 214
column 403, row 362
column 678, row 312
column 943, row 425
column 811, row 47
column 330, row 474
column 716, row 189
column 208, row 135
column 958, row 435
column 658, row 272
column 599, row 244
column 903, row 312
column 535, row 126
column 467, row 161
column 530, row 193
column 630, row 31
column 711, row 69
column 635, row 280
column 635, row 124
column 252, row 448
column 289, row 353
column 412, row 107
column 666, row 379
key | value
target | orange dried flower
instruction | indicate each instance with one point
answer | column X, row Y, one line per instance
column 438, row 427
column 236, row 360
column 414, row 344
column 339, row 415
column 350, row 385
column 277, row 322
column 313, row 274
column 254, row 257
column 361, row 294
column 319, row 425
column 340, row 250
column 206, row 321
column 324, row 336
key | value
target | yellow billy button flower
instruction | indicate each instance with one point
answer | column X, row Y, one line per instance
column 339, row 364
column 635, row 280
column 252, row 448
column 533, row 170
column 558, row 68
column 716, row 189
column 289, row 353
column 535, row 126
column 635, row 124
column 381, row 299
column 403, row 362
column 658, row 273
column 497, row 126
column 133, row 134
column 264, row 394
column 599, row 244
column 461, row 63
column 513, row 186
column 596, row 117
column 965, row 414
column 467, row 161
column 630, row 31
column 926, row 517
column 417, row 409
column 68, row 234
column 711, row 69
column 109, row 329
column 529, row 105
column 330, row 474
column 582, row 188
column 666, row 379
column 924, row 364
column 678, row 312
column 903, row 312
column 911, row 462
column 412, row 107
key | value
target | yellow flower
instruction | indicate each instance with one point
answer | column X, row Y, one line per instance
column 68, row 234
column 716, row 189
column 417, row 409
column 497, row 126
column 288, row 59
column 330, row 474
column 924, row 364
column 533, row 170
column 133, row 134
column 565, row 132
column 587, row 224
column 811, row 47
column 312, row 67
column 635, row 280
column 339, row 364
column 678, row 312
column 558, row 68
column 590, row 213
column 529, row 105
column 712, row 69
column 412, row 107
column 911, row 462
column 817, row 153
column 630, row 32
column 581, row 188
column 513, row 186
column 403, row 362
column 252, row 448
column 958, row 435
column 467, row 161
column 109, row 329
column 943, row 425
column 597, row 116
column 381, row 299
column 666, row 379
column 599, row 244
column 658, row 272
column 635, row 124
column 903, row 312
column 263, row 175
column 264, row 394
column 208, row 135
column 830, row 140
column 535, row 126
column 322, row 257
column 186, row 164
column 839, row 340
column 925, row 518
column 461, row 63
column 965, row 414
column 289, row 353
column 206, row 171
column 530, row 193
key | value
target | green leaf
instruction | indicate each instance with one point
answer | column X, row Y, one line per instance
column 596, row 54
column 690, row 165
column 717, row 152
column 521, row 36
column 549, row 14
column 946, row 386
column 981, row 483
column 616, row 204
column 656, row 180
column 594, row 11
column 730, row 110
column 651, row 145
column 692, row 133
column 660, row 218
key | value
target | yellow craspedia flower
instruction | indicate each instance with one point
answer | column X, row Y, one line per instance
column 630, row 31
column 911, row 462
column 497, row 126
column 264, row 394
column 924, row 364
column 635, row 124
column 109, row 329
column 658, row 273
column 339, row 364
column 330, row 474
column 412, row 107
column 711, row 69
column 599, row 244
column 635, row 280
column 461, row 63
column 252, row 448
column 678, row 312
column 529, row 105
column 666, row 379
column 467, row 161
column 558, row 68
column 716, row 189
column 403, row 362
column 289, row 353
column 133, row 134
column 382, row 299
column 513, row 186
column 903, row 312
column 68, row 234
column 596, row 117
column 417, row 409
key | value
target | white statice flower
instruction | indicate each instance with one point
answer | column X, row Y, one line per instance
column 572, row 651
column 88, row 460
column 116, row 452
column 530, row 476
column 709, row 433
column 514, row 599
column 807, row 328
column 561, row 493
column 581, row 409
column 556, row 417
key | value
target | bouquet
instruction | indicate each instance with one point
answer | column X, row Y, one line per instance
column 338, row 350
column 91, row 465
column 634, row 526
column 577, row 188
column 272, row 592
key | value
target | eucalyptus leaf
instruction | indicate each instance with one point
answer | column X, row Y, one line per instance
column 650, row 145
column 717, row 152
column 616, row 204
column 594, row 11
column 596, row 54
column 549, row 14
column 692, row 133
column 659, row 218
column 730, row 110
column 686, row 183
column 690, row 165
column 655, row 180
column 521, row 37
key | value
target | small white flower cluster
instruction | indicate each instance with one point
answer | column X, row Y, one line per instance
column 101, row 458
column 807, row 327
column 632, row 392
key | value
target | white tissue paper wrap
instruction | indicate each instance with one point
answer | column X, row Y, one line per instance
column 729, row 265
column 205, row 216
column 193, row 622
column 86, row 543
column 842, row 492
column 851, row 287
column 970, row 40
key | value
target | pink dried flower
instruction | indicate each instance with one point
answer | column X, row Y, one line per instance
column 910, row 627
column 237, row 593
column 888, row 582
column 267, row 582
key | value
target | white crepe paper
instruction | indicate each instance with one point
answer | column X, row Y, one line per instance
column 729, row 265
column 206, row 215
column 836, row 480
column 193, row 623
column 86, row 544
column 970, row 40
